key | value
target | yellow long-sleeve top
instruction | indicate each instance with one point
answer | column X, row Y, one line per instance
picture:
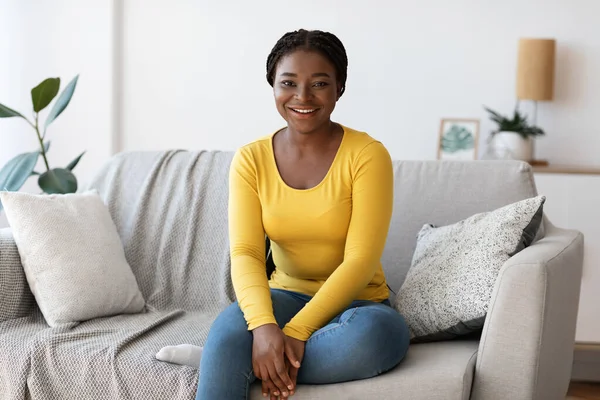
column 326, row 241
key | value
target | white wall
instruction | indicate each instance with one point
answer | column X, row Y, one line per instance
column 59, row 38
column 194, row 70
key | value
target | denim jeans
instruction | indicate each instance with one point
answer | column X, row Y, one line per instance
column 365, row 340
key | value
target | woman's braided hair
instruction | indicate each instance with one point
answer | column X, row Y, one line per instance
column 325, row 43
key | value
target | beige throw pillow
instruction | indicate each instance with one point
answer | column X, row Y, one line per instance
column 72, row 256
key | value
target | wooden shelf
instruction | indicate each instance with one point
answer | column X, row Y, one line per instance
column 566, row 169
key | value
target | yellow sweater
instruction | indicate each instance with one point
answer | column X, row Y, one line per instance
column 327, row 241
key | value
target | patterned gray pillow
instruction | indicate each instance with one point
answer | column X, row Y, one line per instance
column 454, row 269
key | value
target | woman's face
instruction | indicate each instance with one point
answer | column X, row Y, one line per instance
column 306, row 90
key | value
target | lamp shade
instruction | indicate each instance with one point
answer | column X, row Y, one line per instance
column 535, row 69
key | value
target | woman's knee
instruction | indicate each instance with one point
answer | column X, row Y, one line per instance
column 381, row 335
column 229, row 330
column 365, row 342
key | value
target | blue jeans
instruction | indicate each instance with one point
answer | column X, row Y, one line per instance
column 365, row 340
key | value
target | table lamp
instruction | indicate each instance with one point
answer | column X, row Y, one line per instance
column 535, row 71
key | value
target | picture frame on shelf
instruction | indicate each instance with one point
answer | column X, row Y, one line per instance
column 458, row 139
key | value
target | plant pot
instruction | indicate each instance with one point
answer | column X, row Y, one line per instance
column 511, row 145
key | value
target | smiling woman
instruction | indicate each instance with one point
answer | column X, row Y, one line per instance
column 323, row 195
column 306, row 100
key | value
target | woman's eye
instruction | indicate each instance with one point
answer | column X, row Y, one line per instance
column 293, row 84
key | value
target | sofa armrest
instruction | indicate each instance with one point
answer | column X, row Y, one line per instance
column 16, row 299
column 527, row 343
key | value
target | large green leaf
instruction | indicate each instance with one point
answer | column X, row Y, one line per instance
column 73, row 163
column 14, row 174
column 62, row 102
column 42, row 94
column 58, row 181
column 6, row 112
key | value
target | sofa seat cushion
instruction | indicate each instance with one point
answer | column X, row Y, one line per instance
column 430, row 371
column 106, row 358
column 114, row 358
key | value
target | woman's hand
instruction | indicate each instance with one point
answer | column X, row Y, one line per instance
column 268, row 360
column 294, row 352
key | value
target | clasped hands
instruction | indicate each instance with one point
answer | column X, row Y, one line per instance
column 276, row 360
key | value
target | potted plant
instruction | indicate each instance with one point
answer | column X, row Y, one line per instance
column 514, row 136
column 15, row 173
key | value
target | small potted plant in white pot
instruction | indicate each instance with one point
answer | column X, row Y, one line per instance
column 514, row 136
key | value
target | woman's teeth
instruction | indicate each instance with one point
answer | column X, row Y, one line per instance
column 303, row 111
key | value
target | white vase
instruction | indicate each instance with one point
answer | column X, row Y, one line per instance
column 511, row 145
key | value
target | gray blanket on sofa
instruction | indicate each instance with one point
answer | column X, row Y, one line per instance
column 170, row 208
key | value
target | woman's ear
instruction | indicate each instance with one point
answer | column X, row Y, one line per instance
column 339, row 91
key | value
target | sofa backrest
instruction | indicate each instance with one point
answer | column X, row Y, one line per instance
column 170, row 208
column 444, row 192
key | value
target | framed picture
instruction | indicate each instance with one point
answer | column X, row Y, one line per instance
column 458, row 139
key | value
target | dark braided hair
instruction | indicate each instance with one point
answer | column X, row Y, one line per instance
column 325, row 43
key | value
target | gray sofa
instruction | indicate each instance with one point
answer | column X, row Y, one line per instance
column 170, row 209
